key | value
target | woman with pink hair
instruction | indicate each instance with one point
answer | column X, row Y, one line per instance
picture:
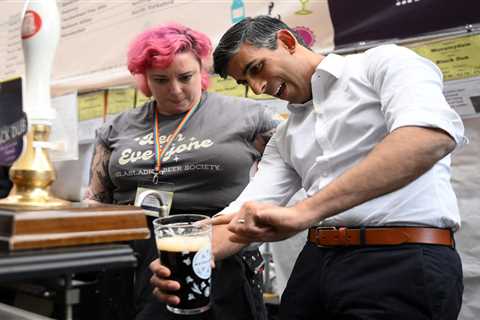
column 196, row 144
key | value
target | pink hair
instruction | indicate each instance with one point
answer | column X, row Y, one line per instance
column 156, row 48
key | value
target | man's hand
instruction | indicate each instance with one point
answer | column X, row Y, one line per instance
column 163, row 286
column 257, row 222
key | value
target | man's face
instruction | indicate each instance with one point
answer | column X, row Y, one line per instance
column 278, row 72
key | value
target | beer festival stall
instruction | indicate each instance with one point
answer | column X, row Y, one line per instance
column 64, row 74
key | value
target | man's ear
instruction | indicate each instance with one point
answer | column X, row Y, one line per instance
column 287, row 39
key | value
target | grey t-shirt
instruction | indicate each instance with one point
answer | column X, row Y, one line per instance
column 207, row 164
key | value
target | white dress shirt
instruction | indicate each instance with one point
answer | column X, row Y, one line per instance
column 357, row 101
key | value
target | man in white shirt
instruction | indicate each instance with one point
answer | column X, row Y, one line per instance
column 368, row 138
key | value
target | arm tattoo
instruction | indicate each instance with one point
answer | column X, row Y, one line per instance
column 100, row 187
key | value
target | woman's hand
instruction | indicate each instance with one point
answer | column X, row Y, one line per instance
column 163, row 286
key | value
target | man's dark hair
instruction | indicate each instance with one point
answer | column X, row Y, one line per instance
column 260, row 32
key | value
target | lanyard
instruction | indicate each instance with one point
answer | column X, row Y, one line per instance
column 159, row 151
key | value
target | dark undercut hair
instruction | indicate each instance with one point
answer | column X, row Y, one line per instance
column 260, row 32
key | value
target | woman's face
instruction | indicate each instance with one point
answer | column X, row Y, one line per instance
column 177, row 88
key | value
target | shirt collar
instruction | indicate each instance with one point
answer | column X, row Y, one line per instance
column 332, row 64
column 299, row 107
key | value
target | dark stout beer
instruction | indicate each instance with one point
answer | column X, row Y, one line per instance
column 188, row 258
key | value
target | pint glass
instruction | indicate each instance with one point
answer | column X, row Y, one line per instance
column 184, row 246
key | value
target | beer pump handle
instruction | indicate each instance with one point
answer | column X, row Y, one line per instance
column 40, row 35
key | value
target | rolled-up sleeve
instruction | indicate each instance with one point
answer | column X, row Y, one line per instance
column 410, row 89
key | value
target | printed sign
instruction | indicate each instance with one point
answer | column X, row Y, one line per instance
column 458, row 58
column 13, row 121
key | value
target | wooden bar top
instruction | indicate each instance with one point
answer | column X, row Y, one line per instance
column 79, row 224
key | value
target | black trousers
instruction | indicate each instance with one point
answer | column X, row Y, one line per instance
column 414, row 282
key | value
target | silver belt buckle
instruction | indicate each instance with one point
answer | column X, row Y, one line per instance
column 320, row 228
column 341, row 236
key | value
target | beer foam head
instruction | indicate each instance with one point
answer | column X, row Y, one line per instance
column 182, row 243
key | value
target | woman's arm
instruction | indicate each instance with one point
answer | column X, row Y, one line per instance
column 222, row 247
column 262, row 139
column 100, row 188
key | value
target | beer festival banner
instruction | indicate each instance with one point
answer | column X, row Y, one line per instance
column 95, row 34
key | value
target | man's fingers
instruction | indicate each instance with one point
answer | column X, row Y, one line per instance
column 247, row 236
column 267, row 236
column 239, row 239
column 252, row 214
column 221, row 219
column 246, row 228
column 167, row 298
column 265, row 216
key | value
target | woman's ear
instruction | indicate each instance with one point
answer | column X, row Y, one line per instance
column 142, row 84
column 287, row 39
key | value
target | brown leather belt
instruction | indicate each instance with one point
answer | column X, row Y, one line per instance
column 341, row 236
